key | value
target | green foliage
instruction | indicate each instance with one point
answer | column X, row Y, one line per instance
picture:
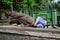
column 8, row 2
column 40, row 4
column 57, row 6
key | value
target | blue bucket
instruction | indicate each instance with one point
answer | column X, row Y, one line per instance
column 40, row 20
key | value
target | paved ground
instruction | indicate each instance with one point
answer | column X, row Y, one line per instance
column 45, row 33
